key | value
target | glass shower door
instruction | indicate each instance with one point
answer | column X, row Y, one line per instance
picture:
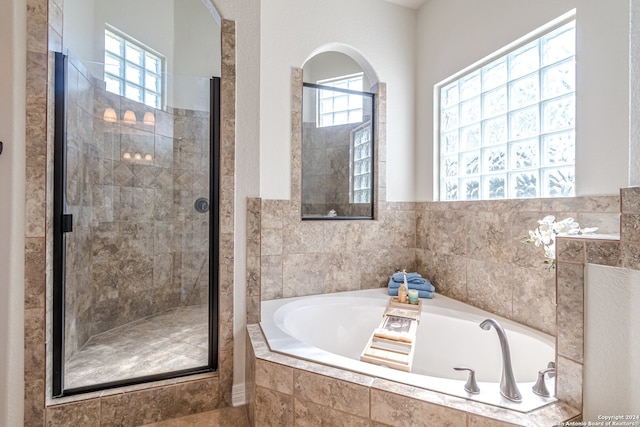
column 136, row 235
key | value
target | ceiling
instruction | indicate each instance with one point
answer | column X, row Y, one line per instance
column 411, row 4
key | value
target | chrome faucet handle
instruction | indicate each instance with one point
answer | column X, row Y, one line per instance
column 471, row 386
column 540, row 388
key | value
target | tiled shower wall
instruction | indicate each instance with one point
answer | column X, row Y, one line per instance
column 138, row 246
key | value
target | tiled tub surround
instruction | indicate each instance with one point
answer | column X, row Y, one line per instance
column 458, row 248
column 470, row 250
column 133, row 405
column 138, row 247
column 285, row 391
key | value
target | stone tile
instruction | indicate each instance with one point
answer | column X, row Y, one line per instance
column 630, row 228
column 422, row 229
column 303, row 274
column 631, row 256
column 253, row 275
column 570, row 250
column 477, row 421
column 37, row 26
column 195, row 396
column 571, row 205
column 607, row 223
column 34, row 344
column 35, row 204
column 34, row 273
column 271, row 242
column 335, row 236
column 342, row 272
column 570, row 279
column 302, row 237
column 227, row 195
column 330, row 392
column 490, row 286
column 34, row 406
column 84, row 413
column 396, row 410
column 274, row 408
column 230, row 416
column 311, row 414
column 225, row 373
column 271, row 277
column 137, row 408
column 274, row 376
column 450, row 229
column 448, row 273
column 569, row 382
column 174, row 340
column 486, row 240
column 603, row 252
column 534, row 300
column 272, row 214
column 630, row 200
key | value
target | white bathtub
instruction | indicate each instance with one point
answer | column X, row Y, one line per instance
column 333, row 329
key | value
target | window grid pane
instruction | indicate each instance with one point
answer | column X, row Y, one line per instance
column 507, row 129
column 132, row 71
column 339, row 108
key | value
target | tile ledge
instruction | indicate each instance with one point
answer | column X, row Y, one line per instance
column 52, row 402
column 615, row 237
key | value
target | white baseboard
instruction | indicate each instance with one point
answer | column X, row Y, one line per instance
column 238, row 395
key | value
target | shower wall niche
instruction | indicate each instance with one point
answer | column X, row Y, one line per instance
column 138, row 246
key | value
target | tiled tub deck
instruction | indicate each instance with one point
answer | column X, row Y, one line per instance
column 285, row 391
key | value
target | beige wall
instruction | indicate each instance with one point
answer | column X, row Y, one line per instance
column 12, row 166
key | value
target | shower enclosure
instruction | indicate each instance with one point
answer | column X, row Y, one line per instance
column 136, row 202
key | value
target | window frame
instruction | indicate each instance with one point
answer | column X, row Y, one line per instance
column 520, row 43
column 146, row 51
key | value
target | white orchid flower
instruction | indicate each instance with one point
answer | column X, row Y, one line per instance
column 547, row 220
column 548, row 229
column 588, row 230
column 550, row 252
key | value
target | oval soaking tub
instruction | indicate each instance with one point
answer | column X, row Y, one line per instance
column 333, row 329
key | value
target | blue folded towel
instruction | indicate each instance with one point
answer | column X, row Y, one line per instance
column 421, row 294
column 423, row 285
column 411, row 277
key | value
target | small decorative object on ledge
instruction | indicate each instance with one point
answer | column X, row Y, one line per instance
column 547, row 231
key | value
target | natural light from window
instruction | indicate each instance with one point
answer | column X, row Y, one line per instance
column 132, row 70
column 506, row 129
column 337, row 107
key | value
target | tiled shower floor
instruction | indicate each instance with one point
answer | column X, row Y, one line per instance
column 170, row 341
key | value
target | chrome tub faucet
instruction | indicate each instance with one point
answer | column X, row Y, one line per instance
column 508, row 386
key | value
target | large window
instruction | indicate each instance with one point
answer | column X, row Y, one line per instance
column 506, row 128
column 340, row 108
column 132, row 70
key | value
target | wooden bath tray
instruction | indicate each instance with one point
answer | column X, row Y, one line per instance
column 392, row 342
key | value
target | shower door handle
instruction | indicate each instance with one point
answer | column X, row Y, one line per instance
column 67, row 223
